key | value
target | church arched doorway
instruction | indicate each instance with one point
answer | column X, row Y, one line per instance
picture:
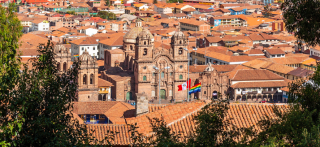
column 163, row 94
column 129, row 96
column 214, row 95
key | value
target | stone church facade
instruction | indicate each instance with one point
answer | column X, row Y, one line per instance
column 137, row 67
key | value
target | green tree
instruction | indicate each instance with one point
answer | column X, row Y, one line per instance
column 155, row 1
column 11, row 31
column 42, row 102
column 289, row 128
column 266, row 12
column 107, row 2
column 302, row 18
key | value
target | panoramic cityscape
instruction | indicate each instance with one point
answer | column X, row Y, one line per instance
column 160, row 73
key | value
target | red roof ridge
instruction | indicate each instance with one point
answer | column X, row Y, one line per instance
column 183, row 117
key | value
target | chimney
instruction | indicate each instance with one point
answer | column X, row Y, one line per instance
column 141, row 104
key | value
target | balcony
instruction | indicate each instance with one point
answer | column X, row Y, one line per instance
column 269, row 92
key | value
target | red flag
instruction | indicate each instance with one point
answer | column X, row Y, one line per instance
column 184, row 85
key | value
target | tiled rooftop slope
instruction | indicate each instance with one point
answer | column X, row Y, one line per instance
column 179, row 118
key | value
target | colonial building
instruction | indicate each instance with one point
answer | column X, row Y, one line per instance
column 87, row 78
column 141, row 57
column 63, row 58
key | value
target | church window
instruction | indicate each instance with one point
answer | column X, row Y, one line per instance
column 162, row 74
column 180, row 77
column 84, row 79
column 145, row 42
column 145, row 51
column 205, row 92
column 144, row 78
column 171, row 73
column 181, row 66
column 131, row 48
column 180, row 42
column 58, row 66
column 91, row 79
column 180, row 51
column 64, row 66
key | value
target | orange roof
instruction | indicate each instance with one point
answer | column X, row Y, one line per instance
column 193, row 22
column 189, row 10
column 241, row 115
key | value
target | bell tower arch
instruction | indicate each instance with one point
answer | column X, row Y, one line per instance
column 178, row 45
column 63, row 58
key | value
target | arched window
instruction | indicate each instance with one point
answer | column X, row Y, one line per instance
column 180, row 77
column 180, row 51
column 144, row 78
column 64, row 66
column 145, row 51
column 84, row 79
column 145, row 42
column 180, row 42
column 58, row 66
column 91, row 79
column 162, row 74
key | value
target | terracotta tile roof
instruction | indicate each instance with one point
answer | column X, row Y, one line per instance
column 29, row 44
column 202, row 6
column 268, row 37
column 255, row 74
column 241, row 115
column 275, row 51
column 213, row 39
column 170, row 114
column 193, row 22
column 87, row 40
column 254, row 51
column 156, row 107
column 116, row 111
column 115, row 40
column 103, row 83
column 256, row 37
column 289, row 60
column 179, row 6
column 100, row 131
column 222, row 10
column 263, row 64
column 189, row 10
column 158, row 44
column 300, row 72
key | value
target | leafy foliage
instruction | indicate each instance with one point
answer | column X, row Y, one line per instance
column 266, row 12
column 155, row 1
column 107, row 15
column 11, row 31
column 302, row 18
column 175, row 1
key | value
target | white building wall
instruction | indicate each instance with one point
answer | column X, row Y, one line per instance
column 43, row 26
column 91, row 31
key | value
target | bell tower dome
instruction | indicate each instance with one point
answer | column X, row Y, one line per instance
column 144, row 45
column 178, row 45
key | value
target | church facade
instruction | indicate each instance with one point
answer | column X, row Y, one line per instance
column 141, row 68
